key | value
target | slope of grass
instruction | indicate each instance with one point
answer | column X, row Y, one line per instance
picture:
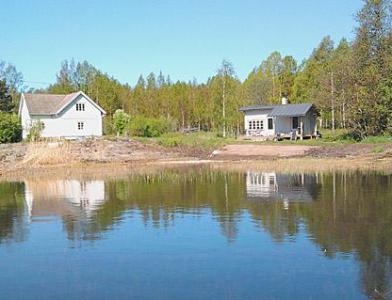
column 211, row 140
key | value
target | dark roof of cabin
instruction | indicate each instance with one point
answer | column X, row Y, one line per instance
column 287, row 110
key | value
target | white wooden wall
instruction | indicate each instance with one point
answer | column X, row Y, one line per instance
column 66, row 125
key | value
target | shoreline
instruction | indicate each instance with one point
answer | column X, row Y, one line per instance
column 93, row 170
column 117, row 158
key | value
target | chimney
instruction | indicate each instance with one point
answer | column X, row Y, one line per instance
column 285, row 100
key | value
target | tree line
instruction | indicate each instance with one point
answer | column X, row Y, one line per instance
column 350, row 83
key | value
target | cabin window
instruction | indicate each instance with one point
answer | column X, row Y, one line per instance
column 80, row 107
column 80, row 125
column 295, row 122
column 270, row 124
column 256, row 125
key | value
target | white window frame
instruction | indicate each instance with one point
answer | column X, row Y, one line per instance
column 80, row 125
column 256, row 125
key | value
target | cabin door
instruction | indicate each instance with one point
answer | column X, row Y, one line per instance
column 295, row 123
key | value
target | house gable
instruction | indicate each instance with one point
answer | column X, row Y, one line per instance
column 72, row 115
column 86, row 99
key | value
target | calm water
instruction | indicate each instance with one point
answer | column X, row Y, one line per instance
column 198, row 234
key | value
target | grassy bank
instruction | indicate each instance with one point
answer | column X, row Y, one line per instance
column 211, row 140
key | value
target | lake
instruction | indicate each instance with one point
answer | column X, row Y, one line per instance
column 198, row 233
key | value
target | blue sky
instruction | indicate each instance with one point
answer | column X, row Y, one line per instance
column 185, row 39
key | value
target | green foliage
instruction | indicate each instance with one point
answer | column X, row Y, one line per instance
column 149, row 127
column 10, row 128
column 120, row 121
column 35, row 131
column 378, row 149
column 203, row 140
column 6, row 104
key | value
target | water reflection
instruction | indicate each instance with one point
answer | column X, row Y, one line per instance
column 343, row 214
column 282, row 187
column 64, row 197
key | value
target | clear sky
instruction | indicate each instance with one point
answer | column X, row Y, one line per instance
column 185, row 39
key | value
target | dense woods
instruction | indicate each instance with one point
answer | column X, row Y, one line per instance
column 350, row 82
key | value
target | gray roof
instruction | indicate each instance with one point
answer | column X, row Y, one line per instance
column 288, row 110
column 50, row 104
column 46, row 104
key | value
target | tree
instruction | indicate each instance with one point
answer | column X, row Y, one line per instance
column 13, row 80
column 6, row 104
column 225, row 73
column 120, row 121
column 371, row 51
column 313, row 82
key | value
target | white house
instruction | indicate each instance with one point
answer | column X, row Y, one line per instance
column 286, row 120
column 68, row 116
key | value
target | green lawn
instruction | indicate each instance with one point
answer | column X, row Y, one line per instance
column 211, row 140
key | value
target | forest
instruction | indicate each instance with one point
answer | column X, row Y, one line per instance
column 350, row 82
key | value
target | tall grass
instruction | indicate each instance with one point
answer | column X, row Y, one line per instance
column 42, row 153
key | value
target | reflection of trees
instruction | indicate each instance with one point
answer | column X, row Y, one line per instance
column 350, row 213
column 12, row 227
column 354, row 214
column 161, row 197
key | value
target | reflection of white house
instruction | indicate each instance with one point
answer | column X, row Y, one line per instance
column 281, row 187
column 259, row 184
column 286, row 120
column 69, row 116
column 64, row 197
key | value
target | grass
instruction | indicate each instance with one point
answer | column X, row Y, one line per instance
column 48, row 154
column 378, row 150
column 211, row 140
column 205, row 140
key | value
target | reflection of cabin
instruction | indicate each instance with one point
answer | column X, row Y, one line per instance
column 280, row 121
column 64, row 197
column 281, row 187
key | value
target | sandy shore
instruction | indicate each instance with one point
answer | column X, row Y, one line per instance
column 124, row 156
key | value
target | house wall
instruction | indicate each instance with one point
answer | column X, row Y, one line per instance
column 66, row 124
column 25, row 118
column 258, row 115
column 283, row 125
column 310, row 123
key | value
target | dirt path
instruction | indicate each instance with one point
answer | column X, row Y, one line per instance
column 260, row 151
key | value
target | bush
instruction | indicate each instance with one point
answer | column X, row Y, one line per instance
column 150, row 127
column 10, row 128
column 120, row 121
column 35, row 131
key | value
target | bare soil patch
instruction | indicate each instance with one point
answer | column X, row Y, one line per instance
column 262, row 151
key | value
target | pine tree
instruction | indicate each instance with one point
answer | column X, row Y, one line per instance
column 6, row 104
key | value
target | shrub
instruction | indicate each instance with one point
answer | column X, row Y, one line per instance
column 120, row 121
column 10, row 128
column 35, row 131
column 149, row 127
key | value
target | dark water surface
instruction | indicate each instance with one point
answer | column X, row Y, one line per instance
column 198, row 234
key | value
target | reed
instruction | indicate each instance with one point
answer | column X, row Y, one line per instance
column 43, row 154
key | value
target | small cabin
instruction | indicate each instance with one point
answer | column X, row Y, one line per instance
column 294, row 121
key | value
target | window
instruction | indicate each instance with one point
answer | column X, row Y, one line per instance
column 256, row 125
column 80, row 125
column 80, row 106
column 270, row 124
column 295, row 122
